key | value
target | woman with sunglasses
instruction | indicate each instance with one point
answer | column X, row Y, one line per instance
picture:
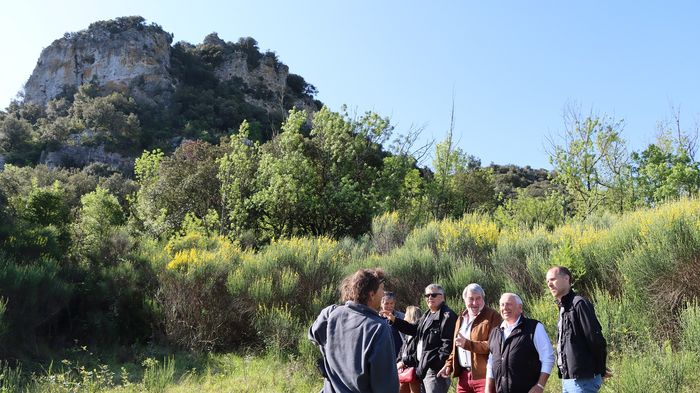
column 432, row 344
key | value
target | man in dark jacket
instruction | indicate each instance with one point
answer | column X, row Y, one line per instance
column 356, row 343
column 432, row 344
column 581, row 347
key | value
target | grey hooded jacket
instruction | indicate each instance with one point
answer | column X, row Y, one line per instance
column 357, row 348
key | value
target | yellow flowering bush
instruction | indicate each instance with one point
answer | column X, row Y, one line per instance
column 473, row 236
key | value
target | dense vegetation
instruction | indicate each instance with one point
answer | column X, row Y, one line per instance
column 236, row 226
column 235, row 245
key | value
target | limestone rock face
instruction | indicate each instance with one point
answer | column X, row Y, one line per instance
column 265, row 77
column 124, row 54
column 129, row 56
column 80, row 156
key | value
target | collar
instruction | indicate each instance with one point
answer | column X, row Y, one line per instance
column 465, row 313
column 504, row 324
column 567, row 300
column 363, row 308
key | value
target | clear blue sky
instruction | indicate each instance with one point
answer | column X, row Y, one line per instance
column 512, row 66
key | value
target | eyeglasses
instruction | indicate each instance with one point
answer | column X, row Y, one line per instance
column 427, row 295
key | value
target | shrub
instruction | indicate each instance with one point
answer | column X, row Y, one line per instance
column 523, row 258
column 200, row 313
column 112, row 304
column 543, row 309
column 664, row 269
column 307, row 270
column 690, row 323
column 655, row 370
column 410, row 270
column 530, row 212
column 467, row 273
column 388, row 232
column 278, row 328
column 35, row 296
column 424, row 237
column 625, row 323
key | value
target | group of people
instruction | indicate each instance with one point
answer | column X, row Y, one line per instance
column 365, row 343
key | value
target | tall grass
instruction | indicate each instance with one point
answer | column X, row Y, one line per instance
column 157, row 377
column 10, row 378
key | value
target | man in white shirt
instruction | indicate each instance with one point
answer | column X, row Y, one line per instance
column 521, row 356
column 470, row 349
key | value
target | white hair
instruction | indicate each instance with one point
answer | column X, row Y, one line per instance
column 517, row 298
column 473, row 287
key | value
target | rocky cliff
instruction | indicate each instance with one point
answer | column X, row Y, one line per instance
column 124, row 54
column 130, row 56
column 164, row 92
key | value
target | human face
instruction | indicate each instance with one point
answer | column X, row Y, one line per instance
column 388, row 305
column 510, row 309
column 375, row 298
column 559, row 284
column 434, row 299
column 474, row 302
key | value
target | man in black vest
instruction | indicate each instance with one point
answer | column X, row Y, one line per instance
column 581, row 347
column 521, row 354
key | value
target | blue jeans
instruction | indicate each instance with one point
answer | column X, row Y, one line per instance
column 590, row 385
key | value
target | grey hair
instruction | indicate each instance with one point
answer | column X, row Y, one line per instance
column 473, row 287
column 436, row 287
column 517, row 298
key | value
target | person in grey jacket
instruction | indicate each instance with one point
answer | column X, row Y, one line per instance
column 356, row 343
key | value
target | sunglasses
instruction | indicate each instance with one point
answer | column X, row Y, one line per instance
column 427, row 295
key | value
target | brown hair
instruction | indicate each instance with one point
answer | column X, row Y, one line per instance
column 357, row 286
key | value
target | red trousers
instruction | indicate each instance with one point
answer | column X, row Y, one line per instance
column 468, row 385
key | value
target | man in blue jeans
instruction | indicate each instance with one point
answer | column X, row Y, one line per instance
column 581, row 347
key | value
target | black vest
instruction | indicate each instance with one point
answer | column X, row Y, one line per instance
column 515, row 362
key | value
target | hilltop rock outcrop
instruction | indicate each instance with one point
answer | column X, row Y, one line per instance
column 179, row 91
column 124, row 54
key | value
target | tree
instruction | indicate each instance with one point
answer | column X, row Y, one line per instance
column 287, row 192
column 347, row 157
column 460, row 184
column 237, row 174
column 99, row 217
column 591, row 163
column 112, row 118
column 667, row 169
column 15, row 134
column 525, row 210
column 168, row 185
column 41, row 225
